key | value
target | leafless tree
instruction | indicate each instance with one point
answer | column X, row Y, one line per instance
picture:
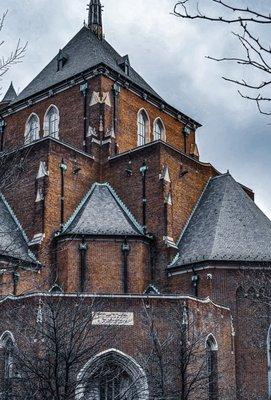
column 180, row 364
column 54, row 337
column 14, row 56
column 252, row 20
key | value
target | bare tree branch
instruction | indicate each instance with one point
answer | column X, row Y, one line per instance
column 257, row 55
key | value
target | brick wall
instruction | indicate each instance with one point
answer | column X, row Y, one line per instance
column 135, row 340
column 104, row 263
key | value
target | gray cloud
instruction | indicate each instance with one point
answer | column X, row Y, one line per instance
column 170, row 54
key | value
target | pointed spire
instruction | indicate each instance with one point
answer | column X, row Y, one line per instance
column 95, row 21
column 10, row 95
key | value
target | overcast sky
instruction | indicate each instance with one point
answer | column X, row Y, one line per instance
column 170, row 55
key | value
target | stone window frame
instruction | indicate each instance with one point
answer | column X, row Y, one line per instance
column 126, row 362
column 27, row 138
column 46, row 126
column 163, row 132
column 211, row 347
column 8, row 367
column 142, row 140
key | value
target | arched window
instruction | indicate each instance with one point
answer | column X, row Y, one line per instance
column 51, row 122
column 32, row 129
column 6, row 369
column 112, row 375
column 142, row 128
column 212, row 370
column 158, row 130
column 269, row 360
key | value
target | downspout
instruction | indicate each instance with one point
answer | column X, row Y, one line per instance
column 125, row 248
column 63, row 169
column 143, row 171
column 83, row 247
column 15, row 279
column 2, row 129
column 116, row 92
column 153, row 255
column 84, row 90
column 195, row 282
column 184, row 355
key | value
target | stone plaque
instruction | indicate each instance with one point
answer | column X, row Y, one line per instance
column 113, row 318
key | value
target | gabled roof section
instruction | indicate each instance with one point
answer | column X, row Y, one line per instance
column 102, row 213
column 226, row 225
column 83, row 52
column 10, row 95
column 13, row 240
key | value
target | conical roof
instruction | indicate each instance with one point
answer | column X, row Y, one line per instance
column 13, row 241
column 226, row 225
column 101, row 212
column 83, row 52
column 10, row 95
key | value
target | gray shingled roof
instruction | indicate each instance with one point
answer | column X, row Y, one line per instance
column 13, row 241
column 101, row 212
column 225, row 226
column 84, row 51
column 10, row 95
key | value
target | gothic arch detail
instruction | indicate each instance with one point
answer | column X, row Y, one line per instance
column 7, row 343
column 113, row 371
column 159, row 130
column 143, row 127
column 212, row 366
column 51, row 122
column 32, row 128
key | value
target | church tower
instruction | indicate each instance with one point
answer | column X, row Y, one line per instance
column 95, row 23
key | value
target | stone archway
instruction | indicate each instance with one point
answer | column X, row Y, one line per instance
column 112, row 375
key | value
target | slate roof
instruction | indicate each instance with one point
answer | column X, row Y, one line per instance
column 83, row 52
column 13, row 241
column 226, row 226
column 10, row 95
column 101, row 212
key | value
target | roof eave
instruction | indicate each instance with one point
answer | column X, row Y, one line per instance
column 191, row 265
column 116, row 75
column 76, row 236
column 19, row 263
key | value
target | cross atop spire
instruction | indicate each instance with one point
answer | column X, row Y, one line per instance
column 95, row 21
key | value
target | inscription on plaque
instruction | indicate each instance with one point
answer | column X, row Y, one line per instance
column 113, row 318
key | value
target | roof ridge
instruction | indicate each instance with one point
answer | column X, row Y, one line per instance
column 78, row 208
column 17, row 222
column 125, row 208
column 193, row 211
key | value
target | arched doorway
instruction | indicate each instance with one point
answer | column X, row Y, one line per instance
column 112, row 375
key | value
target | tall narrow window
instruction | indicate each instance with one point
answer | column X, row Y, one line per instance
column 269, row 361
column 51, row 122
column 7, row 352
column 32, row 129
column 142, row 128
column 212, row 370
column 159, row 130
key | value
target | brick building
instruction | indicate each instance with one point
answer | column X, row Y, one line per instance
column 103, row 195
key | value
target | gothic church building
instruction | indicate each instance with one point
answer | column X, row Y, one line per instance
column 103, row 196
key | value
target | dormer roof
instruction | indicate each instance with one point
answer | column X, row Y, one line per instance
column 226, row 225
column 102, row 213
